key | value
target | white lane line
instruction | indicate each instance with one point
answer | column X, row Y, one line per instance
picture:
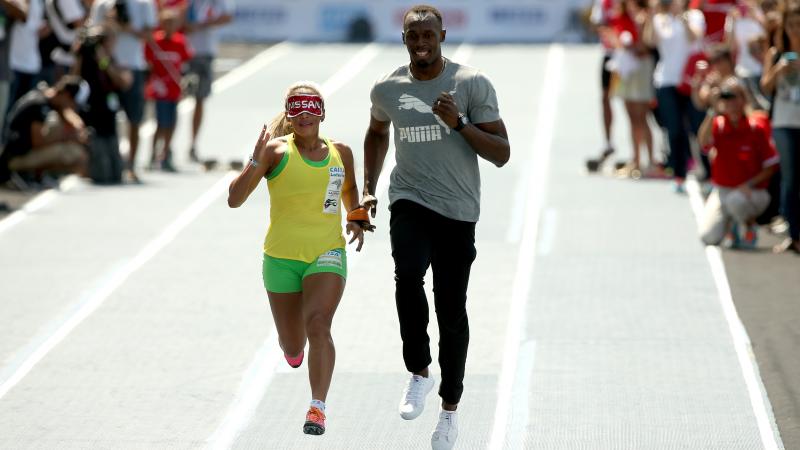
column 263, row 366
column 537, row 168
column 514, row 232
column 251, row 67
column 548, row 235
column 695, row 199
column 251, row 390
column 522, row 389
column 352, row 68
column 759, row 400
column 117, row 278
column 38, row 202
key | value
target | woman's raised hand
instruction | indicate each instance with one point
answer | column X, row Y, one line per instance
column 261, row 144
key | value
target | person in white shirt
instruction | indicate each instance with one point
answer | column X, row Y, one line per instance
column 677, row 33
column 743, row 29
column 202, row 19
column 11, row 11
column 24, row 57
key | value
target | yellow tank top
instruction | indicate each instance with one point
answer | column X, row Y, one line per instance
column 305, row 205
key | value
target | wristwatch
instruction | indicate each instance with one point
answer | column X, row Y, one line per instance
column 462, row 122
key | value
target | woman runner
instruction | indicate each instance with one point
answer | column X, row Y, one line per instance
column 305, row 263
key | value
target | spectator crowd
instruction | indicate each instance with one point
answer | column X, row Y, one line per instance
column 721, row 78
column 76, row 73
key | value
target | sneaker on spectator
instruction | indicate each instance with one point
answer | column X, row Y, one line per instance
column 734, row 237
column 787, row 245
column 413, row 401
column 593, row 165
column 706, row 188
column 778, row 225
column 130, row 177
column 16, row 182
column 678, row 187
column 48, row 182
column 750, row 238
column 166, row 164
column 446, row 432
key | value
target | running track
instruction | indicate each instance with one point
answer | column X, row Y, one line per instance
column 134, row 317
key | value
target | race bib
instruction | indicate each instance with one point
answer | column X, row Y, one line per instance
column 334, row 190
column 331, row 258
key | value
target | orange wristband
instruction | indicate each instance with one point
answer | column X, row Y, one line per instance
column 358, row 215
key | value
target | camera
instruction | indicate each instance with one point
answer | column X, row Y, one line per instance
column 121, row 10
column 90, row 38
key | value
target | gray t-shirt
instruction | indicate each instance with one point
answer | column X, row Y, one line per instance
column 204, row 42
column 786, row 104
column 436, row 167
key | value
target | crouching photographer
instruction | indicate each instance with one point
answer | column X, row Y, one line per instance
column 96, row 65
column 45, row 134
column 743, row 160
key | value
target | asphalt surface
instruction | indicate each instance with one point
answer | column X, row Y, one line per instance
column 134, row 316
column 766, row 288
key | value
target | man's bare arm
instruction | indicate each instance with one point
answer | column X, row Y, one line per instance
column 376, row 145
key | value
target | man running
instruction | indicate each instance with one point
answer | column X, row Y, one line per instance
column 445, row 115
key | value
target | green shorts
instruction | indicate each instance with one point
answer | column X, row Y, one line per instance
column 283, row 276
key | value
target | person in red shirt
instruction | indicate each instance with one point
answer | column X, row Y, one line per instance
column 743, row 159
column 166, row 54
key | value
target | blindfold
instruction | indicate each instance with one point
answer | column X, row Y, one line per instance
column 298, row 104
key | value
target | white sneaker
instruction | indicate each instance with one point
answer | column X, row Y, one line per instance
column 413, row 401
column 446, row 431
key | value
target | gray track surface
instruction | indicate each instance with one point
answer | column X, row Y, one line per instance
column 766, row 289
column 625, row 342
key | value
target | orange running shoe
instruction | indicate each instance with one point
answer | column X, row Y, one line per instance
column 315, row 421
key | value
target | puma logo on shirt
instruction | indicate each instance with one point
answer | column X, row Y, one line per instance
column 427, row 133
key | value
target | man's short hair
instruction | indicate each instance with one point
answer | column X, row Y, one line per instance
column 422, row 12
